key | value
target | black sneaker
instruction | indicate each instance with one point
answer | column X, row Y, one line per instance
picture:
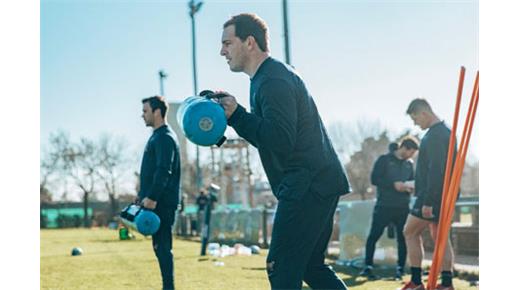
column 399, row 273
column 367, row 272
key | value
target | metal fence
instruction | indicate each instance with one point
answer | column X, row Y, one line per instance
column 351, row 229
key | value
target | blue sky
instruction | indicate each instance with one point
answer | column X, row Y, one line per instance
column 361, row 60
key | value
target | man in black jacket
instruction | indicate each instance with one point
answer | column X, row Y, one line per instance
column 392, row 174
column 429, row 183
column 159, row 181
column 302, row 167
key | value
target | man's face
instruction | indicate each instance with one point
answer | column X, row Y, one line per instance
column 420, row 119
column 148, row 115
column 408, row 153
column 233, row 49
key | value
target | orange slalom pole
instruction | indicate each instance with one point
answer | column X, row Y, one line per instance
column 453, row 138
column 445, row 219
column 447, row 213
column 464, row 151
column 444, row 225
column 448, row 200
column 449, row 165
column 471, row 112
column 443, row 230
column 449, row 159
column 467, row 131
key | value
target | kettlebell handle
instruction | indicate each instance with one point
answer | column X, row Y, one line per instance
column 209, row 94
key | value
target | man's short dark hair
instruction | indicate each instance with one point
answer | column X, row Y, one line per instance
column 419, row 105
column 393, row 146
column 409, row 143
column 248, row 24
column 157, row 102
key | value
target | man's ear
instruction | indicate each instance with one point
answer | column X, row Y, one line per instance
column 157, row 113
column 251, row 42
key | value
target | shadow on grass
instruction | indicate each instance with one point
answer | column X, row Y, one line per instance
column 195, row 239
column 203, row 259
column 254, row 268
column 353, row 279
column 112, row 241
column 387, row 274
column 383, row 274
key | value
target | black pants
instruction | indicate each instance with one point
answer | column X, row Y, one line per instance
column 381, row 218
column 301, row 232
column 162, row 245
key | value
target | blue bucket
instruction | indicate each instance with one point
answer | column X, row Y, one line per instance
column 203, row 121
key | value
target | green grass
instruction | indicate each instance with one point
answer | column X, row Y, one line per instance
column 108, row 263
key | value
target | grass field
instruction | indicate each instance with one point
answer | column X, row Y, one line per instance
column 108, row 263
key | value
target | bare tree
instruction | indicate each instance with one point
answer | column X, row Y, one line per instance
column 47, row 168
column 51, row 163
column 87, row 164
column 361, row 162
column 347, row 137
column 113, row 166
column 80, row 162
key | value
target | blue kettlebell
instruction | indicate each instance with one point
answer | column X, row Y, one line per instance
column 147, row 222
column 141, row 219
column 202, row 120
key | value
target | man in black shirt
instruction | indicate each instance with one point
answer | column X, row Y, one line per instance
column 202, row 200
column 429, row 182
column 301, row 165
column 159, row 180
column 392, row 174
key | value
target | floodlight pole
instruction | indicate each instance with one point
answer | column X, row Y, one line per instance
column 286, row 33
column 194, row 7
column 162, row 76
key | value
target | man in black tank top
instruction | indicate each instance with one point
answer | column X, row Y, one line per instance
column 429, row 182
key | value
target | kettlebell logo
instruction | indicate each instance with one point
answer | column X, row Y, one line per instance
column 205, row 124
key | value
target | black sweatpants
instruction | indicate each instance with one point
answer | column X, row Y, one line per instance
column 162, row 245
column 301, row 232
column 381, row 218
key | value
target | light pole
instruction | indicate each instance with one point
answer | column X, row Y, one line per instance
column 162, row 76
column 286, row 33
column 194, row 7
